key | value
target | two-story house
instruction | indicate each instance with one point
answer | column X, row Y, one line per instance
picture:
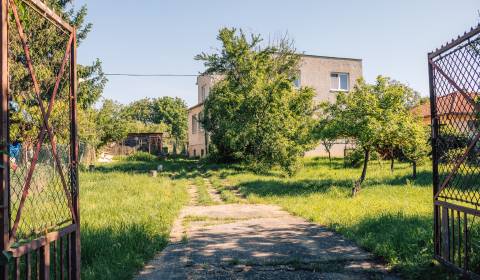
column 326, row 75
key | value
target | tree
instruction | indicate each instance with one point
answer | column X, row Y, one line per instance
column 168, row 111
column 327, row 130
column 140, row 110
column 417, row 147
column 359, row 117
column 255, row 114
column 47, row 47
column 395, row 101
column 174, row 113
column 110, row 123
column 377, row 117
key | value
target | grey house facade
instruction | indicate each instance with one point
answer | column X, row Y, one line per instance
column 326, row 75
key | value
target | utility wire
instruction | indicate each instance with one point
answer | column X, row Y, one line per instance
column 150, row 75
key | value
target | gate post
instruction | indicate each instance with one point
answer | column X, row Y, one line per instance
column 4, row 161
column 75, row 236
column 434, row 135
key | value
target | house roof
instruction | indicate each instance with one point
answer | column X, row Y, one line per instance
column 452, row 103
column 330, row 57
column 196, row 106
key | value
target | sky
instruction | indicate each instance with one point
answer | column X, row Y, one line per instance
column 163, row 36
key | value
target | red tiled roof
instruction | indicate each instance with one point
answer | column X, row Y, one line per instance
column 453, row 103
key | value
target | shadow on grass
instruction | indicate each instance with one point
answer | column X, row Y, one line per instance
column 177, row 169
column 404, row 241
column 118, row 253
column 266, row 188
column 269, row 187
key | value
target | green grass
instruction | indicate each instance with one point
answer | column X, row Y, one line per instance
column 391, row 216
column 226, row 191
column 126, row 217
column 204, row 197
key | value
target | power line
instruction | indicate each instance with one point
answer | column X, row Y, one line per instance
column 150, row 75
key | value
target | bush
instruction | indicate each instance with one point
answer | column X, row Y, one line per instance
column 354, row 158
column 141, row 156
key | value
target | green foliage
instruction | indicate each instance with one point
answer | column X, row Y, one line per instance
column 47, row 46
column 254, row 113
column 377, row 117
column 451, row 138
column 328, row 129
column 141, row 156
column 417, row 146
column 168, row 111
column 110, row 123
column 356, row 157
column 140, row 127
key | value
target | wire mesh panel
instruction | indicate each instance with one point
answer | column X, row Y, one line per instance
column 455, row 103
column 40, row 220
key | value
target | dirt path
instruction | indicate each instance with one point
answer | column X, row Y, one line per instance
column 243, row 241
column 213, row 192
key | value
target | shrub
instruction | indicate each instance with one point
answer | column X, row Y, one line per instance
column 355, row 157
column 141, row 156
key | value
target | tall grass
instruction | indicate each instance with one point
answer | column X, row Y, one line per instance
column 126, row 217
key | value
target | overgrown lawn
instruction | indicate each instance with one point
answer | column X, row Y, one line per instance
column 126, row 217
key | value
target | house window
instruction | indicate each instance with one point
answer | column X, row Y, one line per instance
column 339, row 81
column 200, row 119
column 203, row 93
column 194, row 152
column 297, row 82
column 194, row 124
column 201, row 153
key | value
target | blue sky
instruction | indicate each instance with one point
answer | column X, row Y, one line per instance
column 163, row 36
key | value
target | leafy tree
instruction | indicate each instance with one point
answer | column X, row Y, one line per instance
column 47, row 47
column 174, row 113
column 140, row 110
column 255, row 114
column 377, row 117
column 168, row 111
column 110, row 123
column 417, row 147
column 327, row 130
column 395, row 101
column 359, row 116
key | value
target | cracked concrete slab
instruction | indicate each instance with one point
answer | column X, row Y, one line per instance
column 258, row 242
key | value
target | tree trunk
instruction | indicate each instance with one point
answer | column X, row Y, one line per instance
column 329, row 158
column 358, row 184
column 365, row 165
column 391, row 164
column 414, row 166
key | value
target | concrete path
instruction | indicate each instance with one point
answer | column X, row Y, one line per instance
column 243, row 241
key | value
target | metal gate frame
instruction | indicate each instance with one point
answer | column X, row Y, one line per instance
column 46, row 245
column 450, row 68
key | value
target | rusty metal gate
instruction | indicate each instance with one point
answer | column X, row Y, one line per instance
column 39, row 214
column 454, row 71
